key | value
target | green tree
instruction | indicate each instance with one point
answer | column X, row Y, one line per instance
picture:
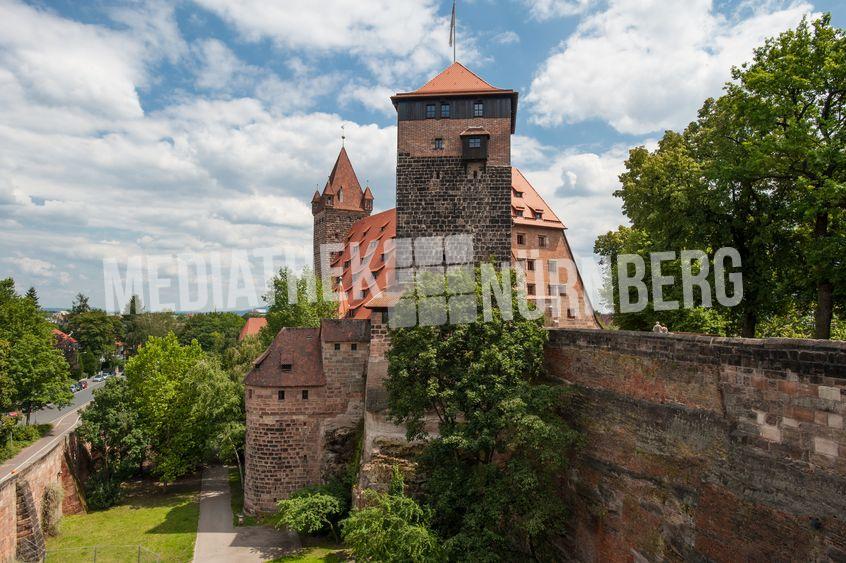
column 111, row 426
column 32, row 295
column 309, row 307
column 493, row 471
column 214, row 331
column 391, row 528
column 186, row 403
column 310, row 511
column 793, row 95
column 96, row 331
column 36, row 369
column 80, row 304
column 140, row 327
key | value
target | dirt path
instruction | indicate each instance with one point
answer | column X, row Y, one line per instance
column 219, row 540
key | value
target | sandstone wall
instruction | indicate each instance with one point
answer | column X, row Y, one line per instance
column 52, row 467
column 707, row 448
column 437, row 196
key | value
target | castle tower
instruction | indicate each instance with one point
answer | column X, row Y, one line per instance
column 341, row 204
column 454, row 161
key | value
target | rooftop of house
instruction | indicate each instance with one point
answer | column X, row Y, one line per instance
column 343, row 186
column 63, row 337
column 295, row 358
column 252, row 327
column 527, row 205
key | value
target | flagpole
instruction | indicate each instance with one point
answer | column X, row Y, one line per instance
column 454, row 42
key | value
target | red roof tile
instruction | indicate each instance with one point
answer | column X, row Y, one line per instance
column 343, row 184
column 456, row 78
column 252, row 327
column 298, row 351
column 531, row 202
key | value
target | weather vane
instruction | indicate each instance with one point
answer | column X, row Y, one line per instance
column 343, row 136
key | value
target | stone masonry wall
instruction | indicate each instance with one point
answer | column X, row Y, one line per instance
column 51, row 468
column 332, row 226
column 704, row 448
column 437, row 197
column 297, row 442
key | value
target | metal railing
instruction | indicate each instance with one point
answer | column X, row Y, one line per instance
column 104, row 554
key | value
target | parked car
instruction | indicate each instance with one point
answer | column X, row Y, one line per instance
column 99, row 377
column 76, row 387
column 84, row 384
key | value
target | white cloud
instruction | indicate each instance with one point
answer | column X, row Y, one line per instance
column 32, row 266
column 646, row 65
column 547, row 9
column 506, row 38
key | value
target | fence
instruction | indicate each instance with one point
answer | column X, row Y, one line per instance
column 104, row 554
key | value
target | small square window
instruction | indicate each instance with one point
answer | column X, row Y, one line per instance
column 329, row 200
column 530, row 265
column 337, row 346
column 444, row 110
column 286, row 367
column 518, row 194
column 552, row 266
column 571, row 314
column 439, row 144
column 305, row 394
column 538, row 214
column 430, row 111
column 530, row 288
column 521, row 238
column 478, row 109
column 280, row 394
column 353, row 346
column 474, row 142
column 542, row 241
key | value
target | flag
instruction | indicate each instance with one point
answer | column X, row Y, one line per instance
column 452, row 26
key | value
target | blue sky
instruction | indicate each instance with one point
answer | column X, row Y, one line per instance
column 158, row 128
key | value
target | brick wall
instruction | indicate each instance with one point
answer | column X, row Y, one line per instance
column 705, row 448
column 332, row 226
column 296, row 442
column 437, row 197
column 417, row 137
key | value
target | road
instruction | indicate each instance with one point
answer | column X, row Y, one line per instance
column 63, row 420
column 79, row 399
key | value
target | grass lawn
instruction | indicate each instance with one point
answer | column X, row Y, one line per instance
column 163, row 522
column 315, row 550
column 22, row 437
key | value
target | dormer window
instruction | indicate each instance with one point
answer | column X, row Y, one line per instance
column 329, row 200
column 518, row 194
column 474, row 142
column 430, row 111
column 444, row 111
column 538, row 214
column 478, row 109
column 438, row 144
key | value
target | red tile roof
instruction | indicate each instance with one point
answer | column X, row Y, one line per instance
column 456, row 79
column 252, row 327
column 374, row 231
column 343, row 184
column 62, row 337
column 298, row 348
column 526, row 202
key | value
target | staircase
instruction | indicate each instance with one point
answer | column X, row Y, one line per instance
column 30, row 537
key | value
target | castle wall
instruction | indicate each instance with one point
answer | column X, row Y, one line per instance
column 332, row 226
column 705, row 448
column 436, row 196
column 295, row 442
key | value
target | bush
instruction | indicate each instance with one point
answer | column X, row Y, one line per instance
column 26, row 433
column 102, row 492
column 52, row 509
column 391, row 528
column 311, row 511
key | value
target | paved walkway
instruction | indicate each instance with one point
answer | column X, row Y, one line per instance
column 219, row 540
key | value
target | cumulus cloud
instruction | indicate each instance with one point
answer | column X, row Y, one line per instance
column 643, row 66
column 547, row 9
column 506, row 38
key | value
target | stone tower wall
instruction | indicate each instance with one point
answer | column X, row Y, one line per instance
column 332, row 226
column 296, row 442
column 436, row 197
